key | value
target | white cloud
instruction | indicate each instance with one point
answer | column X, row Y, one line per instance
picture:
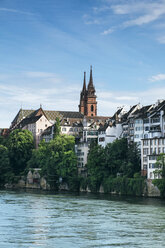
column 161, row 39
column 158, row 77
column 16, row 11
column 57, row 97
column 148, row 12
column 136, row 13
column 90, row 20
column 108, row 31
column 108, row 102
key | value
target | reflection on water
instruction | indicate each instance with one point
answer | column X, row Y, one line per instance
column 67, row 220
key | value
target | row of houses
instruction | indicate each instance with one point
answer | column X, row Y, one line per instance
column 144, row 125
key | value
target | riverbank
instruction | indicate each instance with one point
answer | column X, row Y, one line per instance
column 115, row 186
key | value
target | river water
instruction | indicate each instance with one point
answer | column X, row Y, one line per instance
column 32, row 219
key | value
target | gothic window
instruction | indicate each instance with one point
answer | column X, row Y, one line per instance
column 92, row 108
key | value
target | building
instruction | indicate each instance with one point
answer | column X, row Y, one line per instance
column 88, row 104
column 151, row 149
column 111, row 130
column 40, row 122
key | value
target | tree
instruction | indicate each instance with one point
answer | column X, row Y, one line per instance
column 134, row 162
column 116, row 157
column 96, row 166
column 57, row 160
column 160, row 163
column 20, row 145
column 5, row 168
column 57, row 128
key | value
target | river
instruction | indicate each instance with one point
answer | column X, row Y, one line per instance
column 32, row 219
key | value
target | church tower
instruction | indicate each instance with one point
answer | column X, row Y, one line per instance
column 83, row 95
column 88, row 104
column 91, row 104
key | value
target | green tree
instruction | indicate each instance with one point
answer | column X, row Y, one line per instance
column 96, row 166
column 20, row 145
column 116, row 157
column 2, row 140
column 5, row 169
column 133, row 164
column 160, row 164
column 57, row 160
column 57, row 128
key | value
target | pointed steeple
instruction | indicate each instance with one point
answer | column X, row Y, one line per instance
column 84, row 85
column 90, row 85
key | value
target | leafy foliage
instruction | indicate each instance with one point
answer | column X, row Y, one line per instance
column 124, row 185
column 160, row 183
column 5, row 169
column 57, row 127
column 160, row 163
column 116, row 159
column 57, row 160
column 20, row 144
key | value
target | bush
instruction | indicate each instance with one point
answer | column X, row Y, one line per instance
column 124, row 186
column 160, row 183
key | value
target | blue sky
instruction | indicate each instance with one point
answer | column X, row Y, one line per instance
column 45, row 46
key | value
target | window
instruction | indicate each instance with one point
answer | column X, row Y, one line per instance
column 146, row 120
column 64, row 129
column 145, row 151
column 146, row 128
column 152, row 157
column 144, row 159
column 145, row 142
column 101, row 139
column 92, row 108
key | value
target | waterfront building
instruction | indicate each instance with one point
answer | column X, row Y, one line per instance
column 111, row 130
column 139, row 124
column 151, row 149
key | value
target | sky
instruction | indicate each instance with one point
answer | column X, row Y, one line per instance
column 45, row 47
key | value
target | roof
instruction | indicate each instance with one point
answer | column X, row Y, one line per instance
column 103, row 127
column 47, row 131
column 51, row 115
column 71, row 114
column 142, row 112
column 29, row 120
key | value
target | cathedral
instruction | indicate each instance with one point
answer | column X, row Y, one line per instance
column 88, row 104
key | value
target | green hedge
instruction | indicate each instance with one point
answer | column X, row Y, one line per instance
column 124, row 186
column 118, row 185
column 160, row 183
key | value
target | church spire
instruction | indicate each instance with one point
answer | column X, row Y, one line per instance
column 84, row 85
column 90, row 85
